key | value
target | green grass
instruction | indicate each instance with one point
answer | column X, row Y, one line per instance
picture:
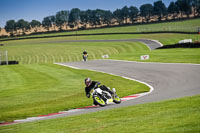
column 178, row 55
column 67, row 52
column 172, row 116
column 32, row 90
column 187, row 26
column 40, row 51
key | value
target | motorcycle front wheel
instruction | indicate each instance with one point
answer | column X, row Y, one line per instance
column 99, row 101
column 116, row 99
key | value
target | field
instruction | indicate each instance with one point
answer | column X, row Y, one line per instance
column 37, row 86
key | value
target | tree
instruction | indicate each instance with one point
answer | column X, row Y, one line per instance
column 133, row 13
column 185, row 7
column 35, row 25
column 53, row 21
column 22, row 25
column 10, row 26
column 125, row 13
column 159, row 9
column 94, row 17
column 107, row 17
column 83, row 17
column 74, row 17
column 62, row 18
column 173, row 9
column 98, row 16
column 146, row 11
column 118, row 15
column 46, row 22
column 196, row 7
column 88, row 16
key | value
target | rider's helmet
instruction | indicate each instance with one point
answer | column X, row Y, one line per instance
column 88, row 82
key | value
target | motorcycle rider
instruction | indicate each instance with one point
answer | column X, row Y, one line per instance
column 93, row 85
column 85, row 53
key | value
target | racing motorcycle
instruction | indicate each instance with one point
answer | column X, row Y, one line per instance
column 102, row 98
column 85, row 57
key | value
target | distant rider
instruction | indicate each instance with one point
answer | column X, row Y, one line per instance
column 85, row 54
column 93, row 85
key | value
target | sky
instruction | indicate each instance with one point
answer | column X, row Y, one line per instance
column 38, row 9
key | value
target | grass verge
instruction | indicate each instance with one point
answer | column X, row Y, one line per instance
column 176, row 55
column 32, row 90
column 177, row 115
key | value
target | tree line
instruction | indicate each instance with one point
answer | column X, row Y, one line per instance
column 79, row 19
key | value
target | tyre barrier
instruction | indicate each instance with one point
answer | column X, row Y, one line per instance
column 9, row 62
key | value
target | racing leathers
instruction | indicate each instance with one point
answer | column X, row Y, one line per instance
column 94, row 85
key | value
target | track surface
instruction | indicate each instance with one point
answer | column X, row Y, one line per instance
column 152, row 44
column 169, row 80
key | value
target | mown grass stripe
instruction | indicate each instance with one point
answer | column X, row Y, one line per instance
column 45, row 58
column 91, row 55
column 53, row 58
column 61, row 58
column 100, row 53
column 69, row 58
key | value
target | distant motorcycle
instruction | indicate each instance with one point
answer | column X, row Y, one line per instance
column 102, row 98
column 85, row 56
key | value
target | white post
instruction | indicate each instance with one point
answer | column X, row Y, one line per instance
column 6, row 57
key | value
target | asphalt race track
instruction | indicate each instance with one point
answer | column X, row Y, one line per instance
column 152, row 44
column 169, row 80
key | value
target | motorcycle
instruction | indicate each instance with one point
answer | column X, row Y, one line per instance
column 102, row 98
column 85, row 57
